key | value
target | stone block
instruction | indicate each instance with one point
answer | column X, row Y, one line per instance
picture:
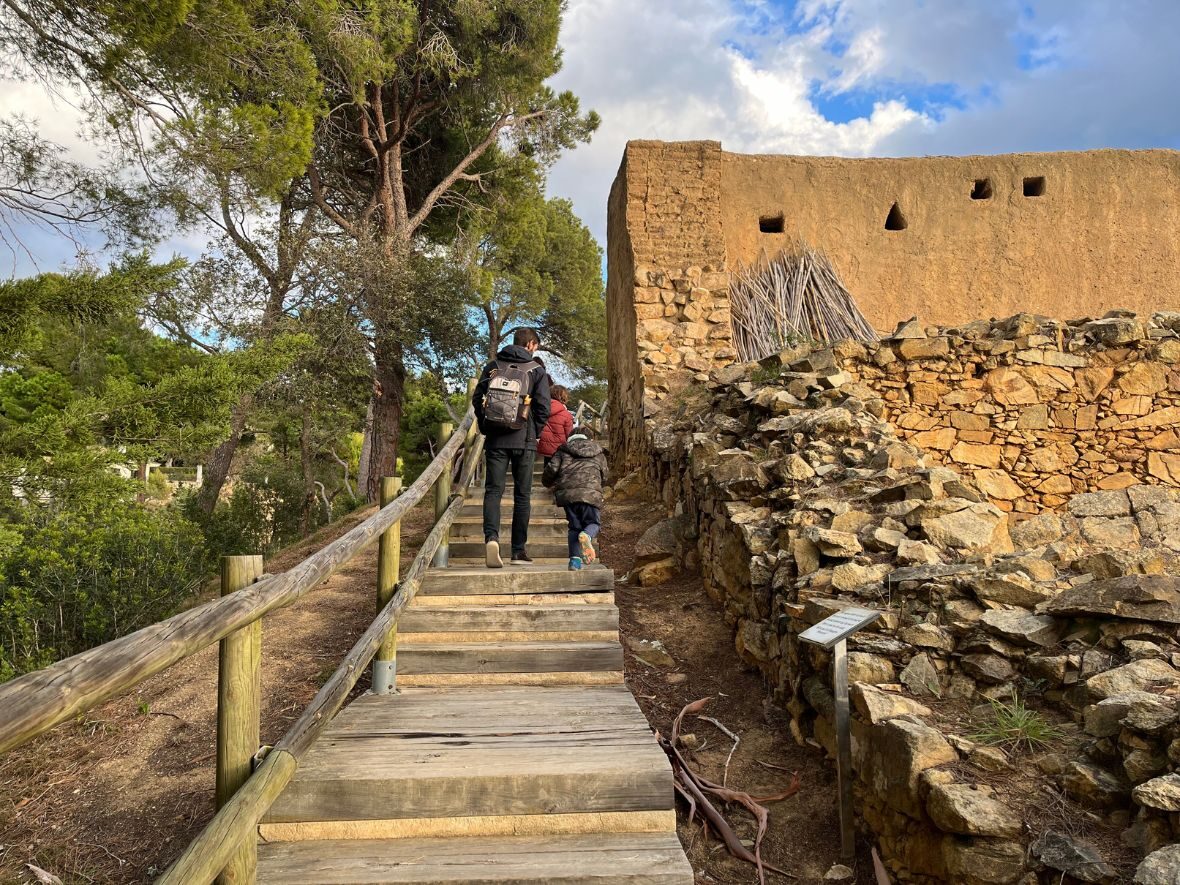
column 977, row 455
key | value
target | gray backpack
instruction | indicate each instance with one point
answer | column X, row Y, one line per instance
column 509, row 396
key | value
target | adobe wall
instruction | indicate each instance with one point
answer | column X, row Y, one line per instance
column 1104, row 234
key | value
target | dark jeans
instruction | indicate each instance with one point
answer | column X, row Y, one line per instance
column 582, row 518
column 498, row 461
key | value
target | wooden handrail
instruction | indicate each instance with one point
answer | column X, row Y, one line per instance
column 36, row 702
column 209, row 852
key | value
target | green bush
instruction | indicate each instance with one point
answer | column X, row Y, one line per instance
column 157, row 485
column 262, row 512
column 73, row 580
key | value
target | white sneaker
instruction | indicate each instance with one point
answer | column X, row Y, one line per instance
column 492, row 554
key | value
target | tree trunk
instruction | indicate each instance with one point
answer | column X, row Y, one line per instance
column 362, row 469
column 387, row 402
column 218, row 464
column 309, row 498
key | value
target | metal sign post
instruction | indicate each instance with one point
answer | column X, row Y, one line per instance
column 832, row 633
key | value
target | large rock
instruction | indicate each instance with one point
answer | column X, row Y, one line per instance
column 1037, row 531
column 1112, row 503
column 841, row 545
column 869, row 668
column 998, row 484
column 875, row 705
column 928, row 636
column 1071, row 856
column 1161, row 793
column 1015, row 588
column 920, row 677
column 1116, row 531
column 977, row 528
column 1021, row 627
column 1094, row 786
column 1161, row 867
column 659, row 541
column 899, row 751
column 1135, row 676
column 970, row 811
column 1136, row 597
column 1141, row 710
column 983, row 861
column 991, row 669
column 851, row 575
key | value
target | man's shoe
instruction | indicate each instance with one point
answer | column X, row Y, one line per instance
column 492, row 554
column 575, row 564
column 521, row 557
column 588, row 553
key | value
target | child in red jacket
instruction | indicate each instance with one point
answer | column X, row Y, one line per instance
column 559, row 425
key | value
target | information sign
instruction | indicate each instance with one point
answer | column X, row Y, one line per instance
column 839, row 626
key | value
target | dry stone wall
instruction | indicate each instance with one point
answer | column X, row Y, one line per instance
column 796, row 499
column 1034, row 409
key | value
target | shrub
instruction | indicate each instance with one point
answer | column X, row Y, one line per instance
column 70, row 580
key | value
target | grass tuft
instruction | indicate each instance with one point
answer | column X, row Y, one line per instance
column 1015, row 727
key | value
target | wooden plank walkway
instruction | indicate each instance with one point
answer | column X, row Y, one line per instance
column 512, row 753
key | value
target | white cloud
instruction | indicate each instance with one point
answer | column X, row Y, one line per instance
column 923, row 76
column 700, row 70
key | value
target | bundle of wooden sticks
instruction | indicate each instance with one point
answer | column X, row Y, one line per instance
column 795, row 297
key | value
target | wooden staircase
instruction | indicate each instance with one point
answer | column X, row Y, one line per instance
column 512, row 752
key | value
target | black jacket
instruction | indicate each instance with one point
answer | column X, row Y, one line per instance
column 527, row 436
column 577, row 472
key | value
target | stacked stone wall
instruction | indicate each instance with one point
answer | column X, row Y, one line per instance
column 1034, row 409
column 797, row 499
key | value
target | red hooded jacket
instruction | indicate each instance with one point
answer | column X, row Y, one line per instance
column 556, row 429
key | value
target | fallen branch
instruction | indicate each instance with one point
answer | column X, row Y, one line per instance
column 693, row 788
column 736, row 740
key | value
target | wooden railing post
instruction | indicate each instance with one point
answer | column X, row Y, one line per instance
column 442, row 497
column 388, row 565
column 239, row 700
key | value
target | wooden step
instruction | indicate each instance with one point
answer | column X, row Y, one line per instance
column 543, row 509
column 514, row 579
column 540, row 529
column 596, row 597
column 435, row 753
column 538, row 498
column 506, row 521
column 551, row 549
column 516, row 618
column 537, row 534
column 508, row 657
column 595, row 859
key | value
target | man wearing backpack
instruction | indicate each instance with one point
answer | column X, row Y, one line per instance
column 511, row 406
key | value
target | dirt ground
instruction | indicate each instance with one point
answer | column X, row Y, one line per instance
column 114, row 796
column 803, row 837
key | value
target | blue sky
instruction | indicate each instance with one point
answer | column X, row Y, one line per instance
column 842, row 77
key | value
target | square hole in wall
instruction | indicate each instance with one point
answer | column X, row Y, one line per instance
column 982, row 189
column 771, row 224
column 1034, row 186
